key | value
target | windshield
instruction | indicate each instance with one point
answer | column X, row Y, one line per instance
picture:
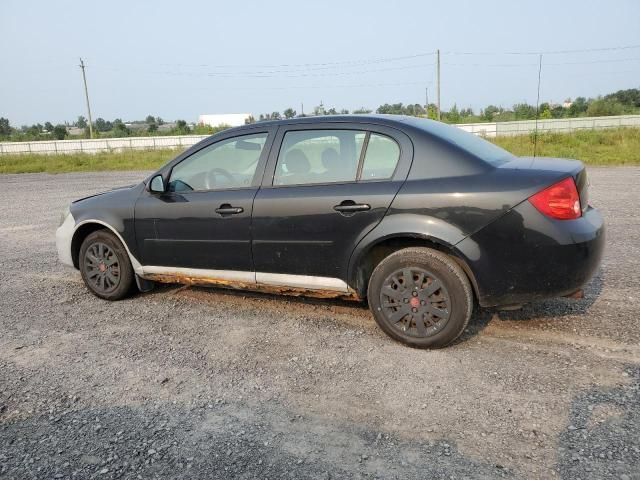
column 469, row 142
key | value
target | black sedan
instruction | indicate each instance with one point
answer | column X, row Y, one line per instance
column 421, row 219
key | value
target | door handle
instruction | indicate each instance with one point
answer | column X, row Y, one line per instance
column 226, row 209
column 349, row 206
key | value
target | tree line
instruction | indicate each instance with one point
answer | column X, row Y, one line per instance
column 617, row 103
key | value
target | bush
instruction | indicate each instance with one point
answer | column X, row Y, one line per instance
column 60, row 132
column 603, row 108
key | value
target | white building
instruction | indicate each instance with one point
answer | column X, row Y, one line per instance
column 231, row 119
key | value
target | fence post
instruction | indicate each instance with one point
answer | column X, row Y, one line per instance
column 55, row 146
column 1, row 148
column 154, row 143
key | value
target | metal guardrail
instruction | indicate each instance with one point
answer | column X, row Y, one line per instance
column 100, row 144
column 523, row 127
column 493, row 129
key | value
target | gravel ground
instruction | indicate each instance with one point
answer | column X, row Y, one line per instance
column 201, row 383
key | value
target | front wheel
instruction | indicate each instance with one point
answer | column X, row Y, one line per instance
column 420, row 297
column 105, row 266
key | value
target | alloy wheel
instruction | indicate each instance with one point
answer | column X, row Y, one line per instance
column 102, row 267
column 415, row 302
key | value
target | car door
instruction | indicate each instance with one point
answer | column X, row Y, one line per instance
column 203, row 219
column 324, row 189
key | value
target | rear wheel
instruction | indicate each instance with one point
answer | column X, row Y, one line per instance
column 420, row 297
column 105, row 266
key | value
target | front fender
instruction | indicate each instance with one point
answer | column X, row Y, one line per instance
column 113, row 210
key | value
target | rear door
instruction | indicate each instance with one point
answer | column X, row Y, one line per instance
column 323, row 190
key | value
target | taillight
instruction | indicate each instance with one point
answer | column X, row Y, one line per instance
column 560, row 200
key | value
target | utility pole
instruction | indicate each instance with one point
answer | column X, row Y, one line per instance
column 438, row 81
column 535, row 135
column 86, row 94
column 302, row 109
column 426, row 94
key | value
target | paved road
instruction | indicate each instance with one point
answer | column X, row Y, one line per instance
column 196, row 383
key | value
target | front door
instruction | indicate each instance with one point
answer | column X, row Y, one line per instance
column 203, row 219
column 324, row 190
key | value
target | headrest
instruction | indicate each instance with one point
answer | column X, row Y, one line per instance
column 297, row 162
column 330, row 159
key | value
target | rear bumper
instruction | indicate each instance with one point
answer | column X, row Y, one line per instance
column 526, row 256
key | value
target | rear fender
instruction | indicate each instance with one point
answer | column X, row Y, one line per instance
column 404, row 226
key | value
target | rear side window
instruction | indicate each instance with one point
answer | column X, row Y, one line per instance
column 335, row 156
column 319, row 156
column 381, row 158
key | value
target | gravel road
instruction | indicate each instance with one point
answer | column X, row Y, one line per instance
column 201, row 383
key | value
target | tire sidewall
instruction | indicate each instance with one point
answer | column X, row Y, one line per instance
column 126, row 271
column 447, row 272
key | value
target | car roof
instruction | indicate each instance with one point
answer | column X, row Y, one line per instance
column 378, row 119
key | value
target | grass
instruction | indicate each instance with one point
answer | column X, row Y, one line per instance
column 86, row 162
column 620, row 146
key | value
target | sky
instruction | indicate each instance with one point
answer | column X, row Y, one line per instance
column 182, row 59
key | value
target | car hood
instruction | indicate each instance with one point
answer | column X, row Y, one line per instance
column 106, row 192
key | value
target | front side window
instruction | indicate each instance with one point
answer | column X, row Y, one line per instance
column 319, row 156
column 224, row 165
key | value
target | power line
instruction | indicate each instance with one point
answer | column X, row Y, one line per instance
column 547, row 52
column 289, row 87
column 360, row 62
column 305, row 66
column 270, row 74
column 438, row 83
column 506, row 65
column 301, row 70
column 327, row 74
column 517, row 65
column 535, row 138
column 597, row 61
column 599, row 72
column 375, row 60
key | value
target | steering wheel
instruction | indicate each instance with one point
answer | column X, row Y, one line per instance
column 210, row 179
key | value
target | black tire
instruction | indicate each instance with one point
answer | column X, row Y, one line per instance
column 432, row 309
column 105, row 266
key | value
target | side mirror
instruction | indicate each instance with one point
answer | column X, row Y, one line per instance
column 157, row 184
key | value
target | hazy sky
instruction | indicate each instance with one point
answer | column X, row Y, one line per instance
column 180, row 59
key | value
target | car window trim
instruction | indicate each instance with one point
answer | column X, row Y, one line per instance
column 402, row 139
column 262, row 160
column 187, row 192
column 350, row 182
column 327, row 184
column 363, row 154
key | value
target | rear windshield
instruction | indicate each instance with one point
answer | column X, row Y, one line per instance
column 469, row 142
